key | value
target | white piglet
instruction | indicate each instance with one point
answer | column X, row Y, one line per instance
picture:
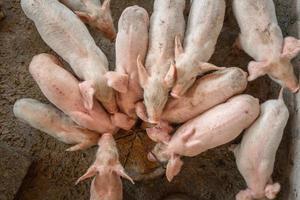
column 62, row 30
column 255, row 156
column 262, row 39
column 204, row 26
column 158, row 75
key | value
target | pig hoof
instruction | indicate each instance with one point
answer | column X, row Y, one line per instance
column 174, row 95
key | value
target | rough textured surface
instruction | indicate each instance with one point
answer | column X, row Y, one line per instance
column 13, row 167
column 210, row 176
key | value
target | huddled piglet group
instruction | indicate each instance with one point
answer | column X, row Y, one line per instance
column 162, row 76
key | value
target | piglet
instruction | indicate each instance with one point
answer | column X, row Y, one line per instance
column 61, row 88
column 204, row 26
column 62, row 30
column 207, row 92
column 106, row 170
column 48, row 119
column 255, row 156
column 213, row 128
column 262, row 39
column 158, row 74
column 131, row 42
column 94, row 14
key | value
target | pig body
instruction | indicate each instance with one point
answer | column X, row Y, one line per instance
column 106, row 170
column 204, row 26
column 61, row 88
column 157, row 77
column 262, row 39
column 94, row 14
column 255, row 156
column 68, row 37
column 131, row 42
column 48, row 119
column 213, row 128
column 207, row 92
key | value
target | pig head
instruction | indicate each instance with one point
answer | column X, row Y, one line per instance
column 94, row 14
column 213, row 128
column 55, row 123
column 106, row 171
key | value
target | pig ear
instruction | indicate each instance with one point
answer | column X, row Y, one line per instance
column 85, row 17
column 87, row 92
column 92, row 171
column 143, row 74
column 271, row 191
column 204, row 67
column 106, row 5
column 291, row 48
column 118, row 169
column 257, row 69
column 170, row 76
column 117, row 81
column 141, row 112
column 178, row 47
column 173, row 167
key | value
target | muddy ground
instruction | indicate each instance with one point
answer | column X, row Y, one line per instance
column 210, row 176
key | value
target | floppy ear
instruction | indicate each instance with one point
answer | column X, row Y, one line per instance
column 141, row 112
column 169, row 79
column 87, row 92
column 178, row 46
column 119, row 170
column 291, row 48
column 257, row 69
column 143, row 74
column 117, row 81
column 85, row 17
column 173, row 167
column 106, row 5
column 204, row 67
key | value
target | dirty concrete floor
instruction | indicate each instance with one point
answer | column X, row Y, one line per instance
column 210, row 176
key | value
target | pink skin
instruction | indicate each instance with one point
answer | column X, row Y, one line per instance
column 61, row 88
column 255, row 156
column 94, row 14
column 158, row 75
column 213, row 128
column 63, row 31
column 48, row 119
column 203, row 29
column 106, row 170
column 207, row 92
column 262, row 39
column 131, row 43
